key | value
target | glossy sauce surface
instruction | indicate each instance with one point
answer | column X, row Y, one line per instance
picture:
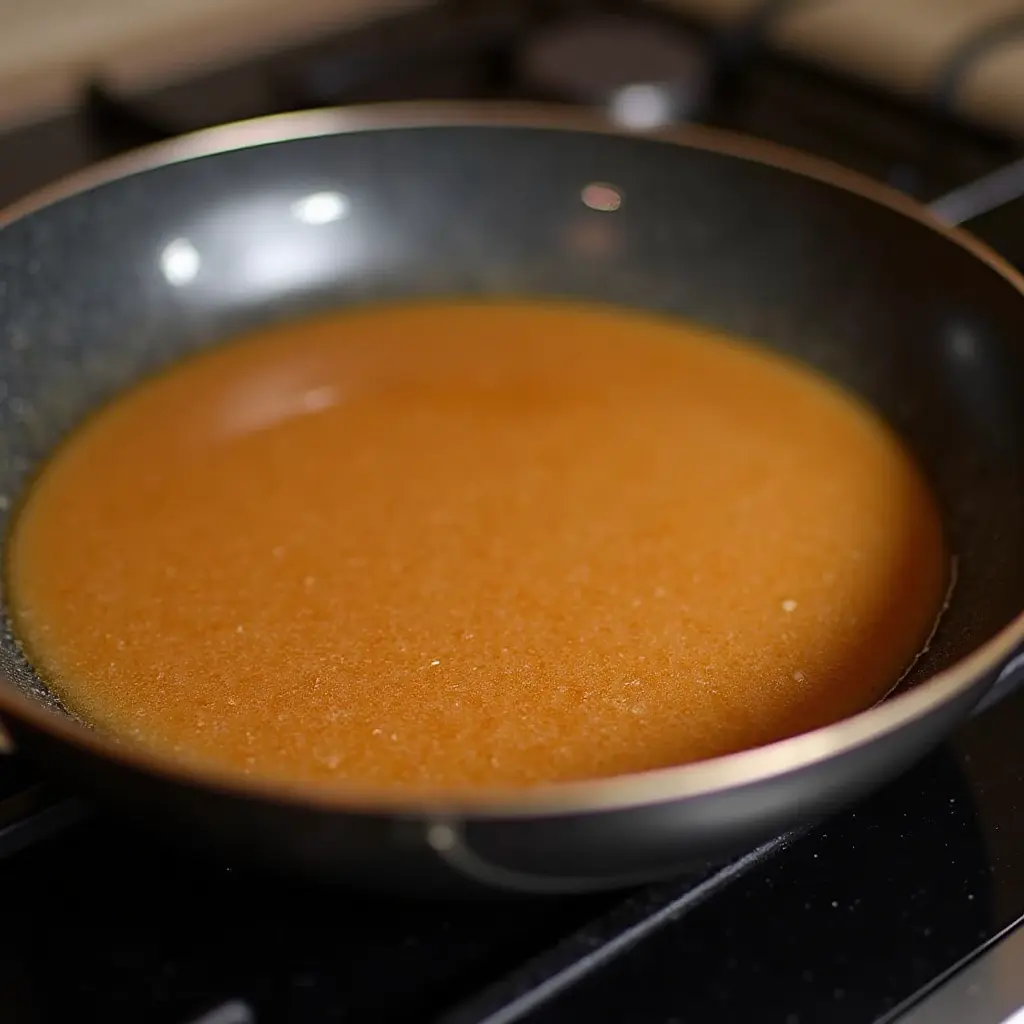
column 447, row 545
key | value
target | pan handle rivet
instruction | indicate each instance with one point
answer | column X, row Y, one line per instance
column 601, row 196
column 442, row 837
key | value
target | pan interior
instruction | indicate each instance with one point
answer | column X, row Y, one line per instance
column 104, row 287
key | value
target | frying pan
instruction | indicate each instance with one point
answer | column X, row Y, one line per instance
column 116, row 273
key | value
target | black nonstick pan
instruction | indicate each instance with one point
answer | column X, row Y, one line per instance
column 116, row 273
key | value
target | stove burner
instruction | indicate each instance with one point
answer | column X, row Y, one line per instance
column 642, row 75
column 644, row 65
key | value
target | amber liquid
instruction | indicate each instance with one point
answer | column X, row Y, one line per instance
column 452, row 545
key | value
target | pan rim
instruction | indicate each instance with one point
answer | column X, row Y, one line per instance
column 679, row 783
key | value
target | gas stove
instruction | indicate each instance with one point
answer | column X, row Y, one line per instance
column 903, row 908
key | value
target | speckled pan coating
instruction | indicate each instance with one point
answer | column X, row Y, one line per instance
column 928, row 329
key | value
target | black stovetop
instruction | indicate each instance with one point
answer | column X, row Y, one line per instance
column 847, row 923
column 850, row 922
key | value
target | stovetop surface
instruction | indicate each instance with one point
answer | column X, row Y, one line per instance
column 849, row 922
column 846, row 923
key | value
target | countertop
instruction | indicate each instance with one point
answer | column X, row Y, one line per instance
column 904, row 45
column 48, row 46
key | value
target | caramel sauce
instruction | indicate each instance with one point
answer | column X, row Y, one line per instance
column 450, row 545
